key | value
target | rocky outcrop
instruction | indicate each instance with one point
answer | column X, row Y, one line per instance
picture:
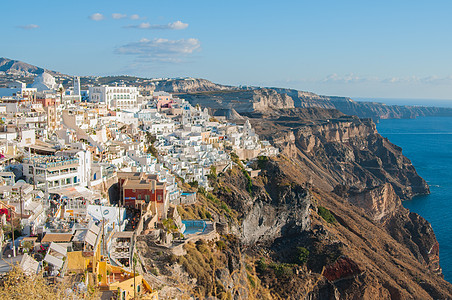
column 273, row 210
column 379, row 203
column 264, row 99
column 417, row 234
column 344, row 151
column 342, row 268
column 188, row 85
column 374, row 250
column 275, row 98
column 243, row 101
column 266, row 221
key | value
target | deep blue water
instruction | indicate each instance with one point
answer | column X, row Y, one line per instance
column 427, row 142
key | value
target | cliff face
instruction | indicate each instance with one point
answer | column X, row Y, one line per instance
column 191, row 85
column 379, row 203
column 345, row 151
column 243, row 101
column 264, row 99
column 275, row 209
column 375, row 249
column 270, row 99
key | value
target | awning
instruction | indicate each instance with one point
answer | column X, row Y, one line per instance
column 58, row 248
column 90, row 238
column 54, row 261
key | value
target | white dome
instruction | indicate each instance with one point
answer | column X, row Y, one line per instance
column 44, row 82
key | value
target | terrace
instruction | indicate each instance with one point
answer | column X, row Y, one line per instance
column 51, row 163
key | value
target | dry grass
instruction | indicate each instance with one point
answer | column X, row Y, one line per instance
column 16, row 285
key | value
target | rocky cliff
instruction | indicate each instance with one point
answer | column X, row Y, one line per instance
column 266, row 100
column 369, row 247
column 185, row 85
column 379, row 202
column 344, row 151
column 275, row 209
column 243, row 101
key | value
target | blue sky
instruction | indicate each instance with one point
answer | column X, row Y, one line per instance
column 350, row 48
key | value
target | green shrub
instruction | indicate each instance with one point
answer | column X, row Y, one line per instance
column 225, row 207
column 302, row 255
column 221, row 245
column 169, row 224
column 261, row 265
column 202, row 190
column 282, row 270
column 326, row 215
column 193, row 184
column 249, row 184
column 212, row 176
column 262, row 161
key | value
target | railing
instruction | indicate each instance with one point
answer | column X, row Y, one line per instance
column 45, row 165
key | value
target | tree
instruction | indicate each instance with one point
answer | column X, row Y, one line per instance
column 150, row 140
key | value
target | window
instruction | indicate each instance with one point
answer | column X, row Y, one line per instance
column 139, row 196
column 147, row 198
column 159, row 198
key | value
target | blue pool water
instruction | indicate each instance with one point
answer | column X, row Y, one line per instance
column 194, row 226
column 427, row 142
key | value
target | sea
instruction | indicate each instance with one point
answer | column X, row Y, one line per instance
column 427, row 142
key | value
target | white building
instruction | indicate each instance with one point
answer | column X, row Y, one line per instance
column 69, row 168
column 115, row 97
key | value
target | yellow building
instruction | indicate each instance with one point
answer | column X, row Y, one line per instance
column 89, row 243
column 116, row 280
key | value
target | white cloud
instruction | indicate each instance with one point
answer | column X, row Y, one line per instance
column 178, row 25
column 118, row 16
column 144, row 25
column 134, row 17
column 162, row 50
column 97, row 17
column 348, row 78
column 29, row 26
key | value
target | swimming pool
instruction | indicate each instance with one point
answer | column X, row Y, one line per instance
column 194, row 226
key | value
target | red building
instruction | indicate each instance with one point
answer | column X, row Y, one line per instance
column 143, row 191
